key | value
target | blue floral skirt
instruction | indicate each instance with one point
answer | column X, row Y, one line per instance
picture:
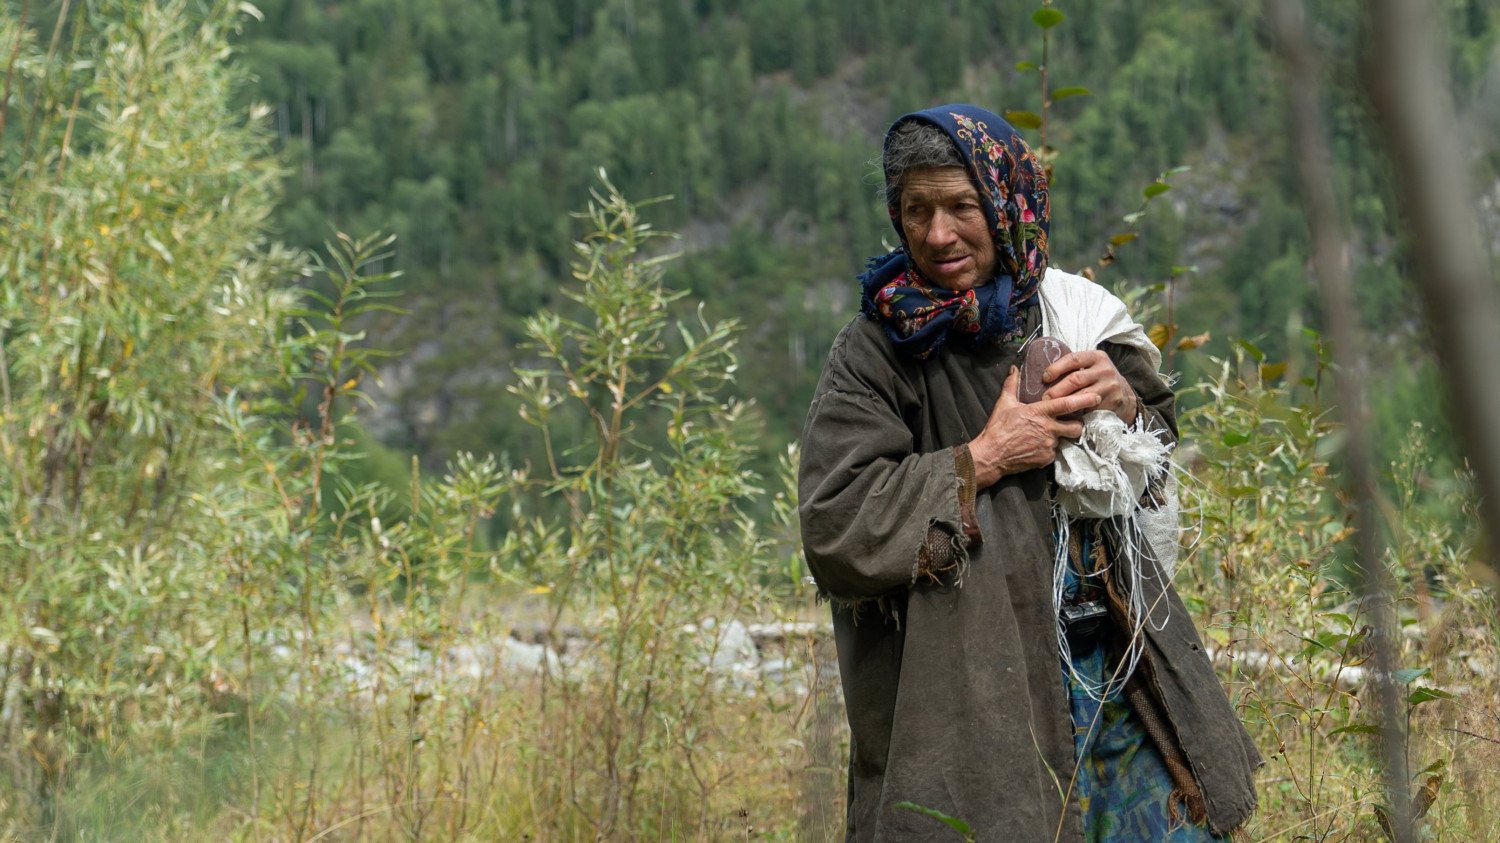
column 1121, row 785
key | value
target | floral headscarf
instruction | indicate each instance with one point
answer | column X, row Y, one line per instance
column 919, row 316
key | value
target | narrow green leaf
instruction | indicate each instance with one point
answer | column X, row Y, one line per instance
column 1025, row 66
column 360, row 310
column 1324, row 641
column 1234, row 438
column 1047, row 17
column 1408, row 675
column 1024, row 119
column 319, row 298
column 1422, row 695
column 1434, row 766
column 1074, row 91
column 1122, row 238
column 954, row 823
column 1253, row 350
column 1357, row 729
column 1155, row 189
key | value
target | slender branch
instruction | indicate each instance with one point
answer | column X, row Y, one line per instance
column 1309, row 144
column 7, row 447
column 39, row 110
column 248, row 649
column 63, row 156
column 1473, row 735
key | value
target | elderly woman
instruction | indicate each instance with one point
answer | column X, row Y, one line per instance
column 1005, row 660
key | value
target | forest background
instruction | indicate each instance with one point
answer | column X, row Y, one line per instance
column 472, row 130
column 213, row 414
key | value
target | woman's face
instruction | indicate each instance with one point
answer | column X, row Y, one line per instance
column 945, row 228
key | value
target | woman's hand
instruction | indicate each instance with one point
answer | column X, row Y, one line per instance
column 1091, row 372
column 1018, row 437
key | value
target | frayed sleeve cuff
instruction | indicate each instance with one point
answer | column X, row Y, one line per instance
column 944, row 554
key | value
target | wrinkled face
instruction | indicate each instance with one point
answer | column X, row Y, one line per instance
column 945, row 228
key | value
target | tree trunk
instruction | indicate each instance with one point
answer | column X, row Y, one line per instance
column 1413, row 103
column 1330, row 245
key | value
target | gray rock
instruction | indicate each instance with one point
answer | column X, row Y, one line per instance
column 727, row 647
column 518, row 658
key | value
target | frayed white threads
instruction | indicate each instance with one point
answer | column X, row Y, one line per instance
column 1133, row 565
column 1105, row 473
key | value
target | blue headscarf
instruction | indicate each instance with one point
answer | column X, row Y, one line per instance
column 919, row 316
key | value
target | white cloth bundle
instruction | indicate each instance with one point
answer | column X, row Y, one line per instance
column 1103, row 474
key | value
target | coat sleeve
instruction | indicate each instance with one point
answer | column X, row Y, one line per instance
column 877, row 516
column 1156, row 396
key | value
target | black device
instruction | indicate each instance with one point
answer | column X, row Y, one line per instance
column 1083, row 623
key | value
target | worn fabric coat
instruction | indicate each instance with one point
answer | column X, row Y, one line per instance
column 953, row 686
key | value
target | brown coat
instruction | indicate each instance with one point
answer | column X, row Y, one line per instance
column 954, row 690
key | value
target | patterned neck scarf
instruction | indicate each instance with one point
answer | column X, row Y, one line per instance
column 921, row 317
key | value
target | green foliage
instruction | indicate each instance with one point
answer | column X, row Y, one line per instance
column 1268, row 585
column 652, row 548
column 183, row 554
column 136, row 290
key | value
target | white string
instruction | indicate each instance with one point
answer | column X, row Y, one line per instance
column 1132, row 567
column 1083, row 314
